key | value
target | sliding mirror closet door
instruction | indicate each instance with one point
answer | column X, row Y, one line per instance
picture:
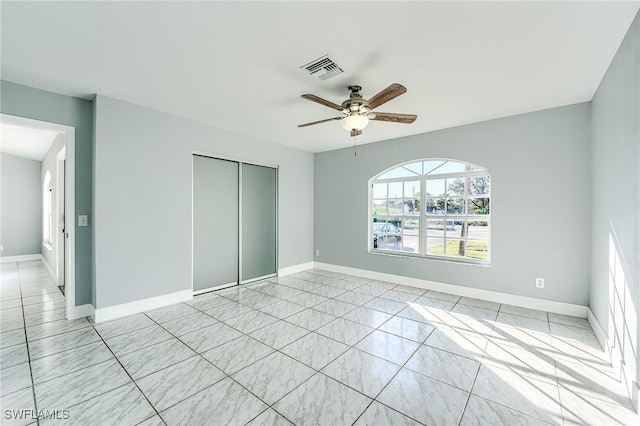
column 259, row 222
column 215, row 223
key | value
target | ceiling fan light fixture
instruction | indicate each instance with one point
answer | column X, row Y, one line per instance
column 354, row 121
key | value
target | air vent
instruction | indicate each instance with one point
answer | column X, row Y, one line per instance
column 322, row 68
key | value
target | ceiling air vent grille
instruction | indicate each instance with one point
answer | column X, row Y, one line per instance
column 322, row 68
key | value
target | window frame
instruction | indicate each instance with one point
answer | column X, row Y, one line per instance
column 423, row 216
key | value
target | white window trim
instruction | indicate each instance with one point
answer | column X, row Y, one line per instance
column 423, row 216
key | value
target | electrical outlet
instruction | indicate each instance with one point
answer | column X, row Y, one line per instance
column 83, row 220
column 539, row 282
column 317, row 252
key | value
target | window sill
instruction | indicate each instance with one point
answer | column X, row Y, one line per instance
column 467, row 262
column 48, row 246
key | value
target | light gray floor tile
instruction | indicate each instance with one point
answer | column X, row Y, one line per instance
column 273, row 376
column 13, row 379
column 124, row 405
column 188, row 323
column 282, row 292
column 283, row 309
column 310, row 319
column 529, row 396
column 308, row 299
column 603, row 383
column 345, row 331
column 481, row 412
column 434, row 304
column 569, row 320
column 380, row 415
column 534, row 363
column 124, row 325
column 388, row 306
column 12, row 303
column 21, row 400
column 237, row 293
column 62, row 342
column 79, row 386
column 12, row 338
column 46, row 306
column 399, row 296
column 156, row 357
column 315, row 350
column 259, row 300
column 328, row 291
column 237, row 354
column 152, row 421
column 408, row 391
column 322, row 401
column 479, row 303
column 367, row 316
column 388, row 346
column 450, row 368
column 442, row 296
column 10, row 324
column 251, row 321
column 171, row 385
column 42, row 298
column 229, row 310
column 585, row 410
column 279, row 334
column 345, row 285
column 227, row 402
column 409, row 329
column 208, row 301
column 170, row 312
column 71, row 360
column 269, row 417
column 210, row 337
column 524, row 312
column 471, row 318
column 382, row 284
column 370, row 290
column 470, row 345
column 46, row 316
column 7, row 313
column 523, row 338
column 335, row 307
column 139, row 339
column 361, row 371
column 53, row 328
column 13, row 355
column 354, row 298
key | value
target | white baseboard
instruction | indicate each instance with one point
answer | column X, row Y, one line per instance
column 126, row 309
column 84, row 311
column 476, row 293
column 22, row 258
column 49, row 269
column 597, row 329
column 289, row 270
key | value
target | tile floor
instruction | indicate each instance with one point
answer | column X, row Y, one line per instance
column 315, row 348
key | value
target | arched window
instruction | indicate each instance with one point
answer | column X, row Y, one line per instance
column 47, row 209
column 435, row 208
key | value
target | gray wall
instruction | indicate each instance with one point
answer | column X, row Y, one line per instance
column 540, row 207
column 615, row 291
column 23, row 101
column 143, row 177
column 21, row 200
column 50, row 164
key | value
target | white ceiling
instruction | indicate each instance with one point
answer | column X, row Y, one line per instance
column 25, row 141
column 236, row 65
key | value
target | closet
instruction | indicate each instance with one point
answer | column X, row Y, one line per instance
column 234, row 222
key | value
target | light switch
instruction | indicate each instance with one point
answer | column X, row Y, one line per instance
column 83, row 220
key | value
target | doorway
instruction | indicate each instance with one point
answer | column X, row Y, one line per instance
column 234, row 222
column 60, row 233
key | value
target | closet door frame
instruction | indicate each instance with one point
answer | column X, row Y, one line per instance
column 240, row 163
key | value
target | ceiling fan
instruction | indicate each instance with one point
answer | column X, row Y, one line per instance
column 357, row 111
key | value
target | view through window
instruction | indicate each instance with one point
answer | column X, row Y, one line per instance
column 432, row 208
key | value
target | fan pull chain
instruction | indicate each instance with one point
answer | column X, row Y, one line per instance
column 355, row 153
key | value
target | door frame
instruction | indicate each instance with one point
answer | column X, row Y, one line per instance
column 70, row 202
column 240, row 162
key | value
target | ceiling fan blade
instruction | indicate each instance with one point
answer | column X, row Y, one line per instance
column 393, row 117
column 355, row 133
column 386, row 95
column 324, row 102
column 318, row 122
